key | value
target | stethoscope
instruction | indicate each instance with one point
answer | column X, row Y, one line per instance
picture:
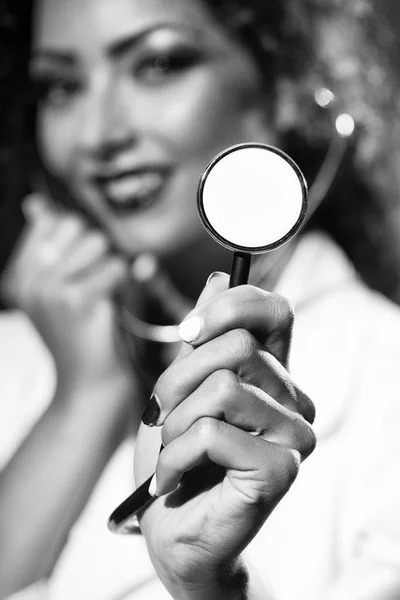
column 342, row 134
column 252, row 198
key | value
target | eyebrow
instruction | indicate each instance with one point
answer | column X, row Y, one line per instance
column 114, row 49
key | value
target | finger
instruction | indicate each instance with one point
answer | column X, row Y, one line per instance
column 36, row 210
column 237, row 351
column 216, row 283
column 226, row 397
column 89, row 249
column 105, row 278
column 39, row 224
column 64, row 235
column 263, row 470
column 50, row 236
column 41, row 248
column 101, row 282
column 23, row 264
column 269, row 317
column 47, row 253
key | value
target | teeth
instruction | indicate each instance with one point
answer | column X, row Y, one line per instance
column 133, row 186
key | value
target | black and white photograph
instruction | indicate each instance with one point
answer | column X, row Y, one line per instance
column 199, row 299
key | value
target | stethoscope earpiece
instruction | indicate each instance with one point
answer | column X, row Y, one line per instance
column 252, row 198
column 343, row 130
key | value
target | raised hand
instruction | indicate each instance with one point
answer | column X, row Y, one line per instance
column 64, row 276
column 227, row 400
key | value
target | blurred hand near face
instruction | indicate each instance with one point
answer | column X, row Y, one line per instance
column 228, row 401
column 63, row 275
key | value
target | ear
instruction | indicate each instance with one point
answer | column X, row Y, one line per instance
column 277, row 116
column 259, row 123
column 287, row 105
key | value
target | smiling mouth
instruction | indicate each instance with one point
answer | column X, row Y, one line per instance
column 133, row 190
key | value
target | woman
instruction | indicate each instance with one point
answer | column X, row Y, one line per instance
column 135, row 99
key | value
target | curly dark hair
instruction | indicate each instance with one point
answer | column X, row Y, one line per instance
column 308, row 43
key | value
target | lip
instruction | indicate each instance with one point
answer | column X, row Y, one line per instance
column 132, row 189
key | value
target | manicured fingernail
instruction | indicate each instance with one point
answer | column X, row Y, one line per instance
column 213, row 275
column 153, row 486
column 190, row 329
column 151, row 413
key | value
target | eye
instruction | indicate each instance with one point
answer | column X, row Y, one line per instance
column 56, row 92
column 160, row 67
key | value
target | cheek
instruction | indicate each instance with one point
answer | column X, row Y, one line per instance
column 55, row 143
column 208, row 115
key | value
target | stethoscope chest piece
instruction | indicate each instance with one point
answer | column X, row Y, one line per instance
column 252, row 198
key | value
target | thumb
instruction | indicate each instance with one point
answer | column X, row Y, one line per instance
column 216, row 283
column 149, row 438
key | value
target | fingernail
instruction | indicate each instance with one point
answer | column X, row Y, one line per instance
column 153, row 486
column 25, row 208
column 151, row 413
column 30, row 206
column 190, row 329
column 144, row 267
column 213, row 275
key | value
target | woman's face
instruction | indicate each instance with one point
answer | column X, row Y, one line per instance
column 137, row 98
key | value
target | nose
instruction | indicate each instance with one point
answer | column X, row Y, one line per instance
column 105, row 127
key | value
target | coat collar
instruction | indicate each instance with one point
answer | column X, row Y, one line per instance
column 330, row 328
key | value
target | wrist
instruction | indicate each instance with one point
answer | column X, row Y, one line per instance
column 91, row 403
column 227, row 583
column 81, row 379
column 111, row 386
column 89, row 428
